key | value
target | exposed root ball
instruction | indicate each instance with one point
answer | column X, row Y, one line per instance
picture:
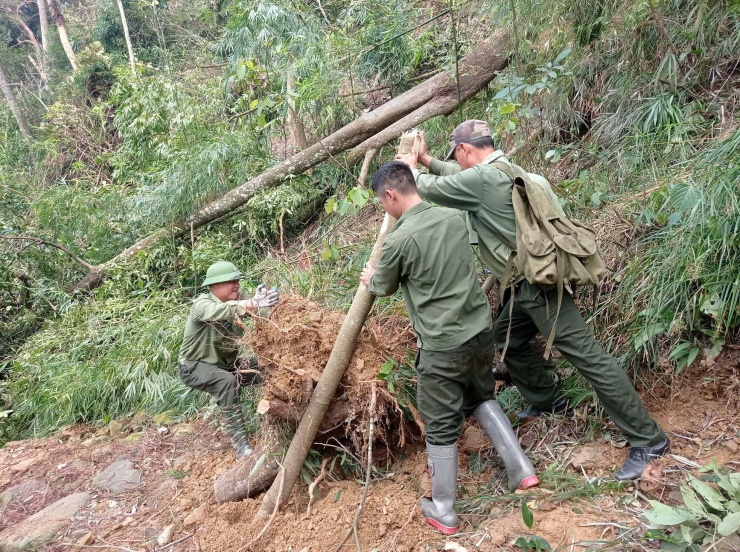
column 294, row 345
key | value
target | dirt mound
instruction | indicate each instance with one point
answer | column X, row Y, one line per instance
column 294, row 345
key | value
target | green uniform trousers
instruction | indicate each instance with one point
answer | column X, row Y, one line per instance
column 451, row 384
column 534, row 310
column 224, row 385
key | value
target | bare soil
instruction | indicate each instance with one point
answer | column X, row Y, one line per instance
column 700, row 411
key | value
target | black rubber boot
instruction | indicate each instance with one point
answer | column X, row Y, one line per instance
column 560, row 405
column 440, row 510
column 639, row 458
column 234, row 426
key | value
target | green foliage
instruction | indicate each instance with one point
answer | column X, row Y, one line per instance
column 685, row 277
column 356, row 199
column 400, row 379
column 710, row 511
column 532, row 542
column 101, row 361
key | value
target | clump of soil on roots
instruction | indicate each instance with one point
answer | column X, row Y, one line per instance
column 294, row 345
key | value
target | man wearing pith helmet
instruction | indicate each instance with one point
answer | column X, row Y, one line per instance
column 475, row 184
column 208, row 355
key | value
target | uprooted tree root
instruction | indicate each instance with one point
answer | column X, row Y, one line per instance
column 293, row 345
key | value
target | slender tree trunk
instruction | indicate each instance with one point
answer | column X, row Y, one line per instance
column 295, row 126
column 17, row 113
column 326, row 386
column 476, row 70
column 61, row 24
column 131, row 58
column 43, row 24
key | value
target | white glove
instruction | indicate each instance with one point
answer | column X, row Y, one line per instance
column 265, row 298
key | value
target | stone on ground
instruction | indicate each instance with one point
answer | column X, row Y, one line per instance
column 43, row 526
column 119, row 477
column 21, row 492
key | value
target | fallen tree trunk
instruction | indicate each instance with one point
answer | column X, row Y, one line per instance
column 326, row 386
column 479, row 69
column 476, row 71
column 256, row 473
column 336, row 413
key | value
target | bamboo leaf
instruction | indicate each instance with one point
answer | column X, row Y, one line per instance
column 527, row 515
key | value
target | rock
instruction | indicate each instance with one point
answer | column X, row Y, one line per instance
column 586, row 458
column 382, row 530
column 115, row 428
column 195, row 517
column 119, row 477
column 185, row 429
column 473, row 440
column 730, row 445
column 43, row 526
column 165, row 536
column 20, row 492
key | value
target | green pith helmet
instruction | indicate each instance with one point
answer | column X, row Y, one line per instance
column 222, row 271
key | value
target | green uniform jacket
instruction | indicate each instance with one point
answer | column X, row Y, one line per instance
column 485, row 193
column 427, row 254
column 210, row 334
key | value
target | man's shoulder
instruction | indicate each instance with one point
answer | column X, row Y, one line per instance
column 200, row 300
column 432, row 219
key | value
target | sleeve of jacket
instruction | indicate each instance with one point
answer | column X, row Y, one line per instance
column 443, row 168
column 389, row 270
column 460, row 190
column 210, row 311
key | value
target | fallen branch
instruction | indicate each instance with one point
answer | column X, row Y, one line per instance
column 39, row 241
column 476, row 71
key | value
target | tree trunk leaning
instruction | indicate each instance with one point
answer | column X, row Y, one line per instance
column 17, row 113
column 129, row 47
column 326, row 386
column 473, row 69
column 61, row 24
column 476, row 71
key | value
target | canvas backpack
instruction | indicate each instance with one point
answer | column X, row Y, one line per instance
column 552, row 250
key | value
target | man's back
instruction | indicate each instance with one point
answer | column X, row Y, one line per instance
column 428, row 255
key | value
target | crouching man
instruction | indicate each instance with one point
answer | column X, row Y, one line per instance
column 208, row 355
column 428, row 256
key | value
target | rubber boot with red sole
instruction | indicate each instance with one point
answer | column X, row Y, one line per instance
column 497, row 427
column 440, row 510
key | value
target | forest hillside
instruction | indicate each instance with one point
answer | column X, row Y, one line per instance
column 144, row 141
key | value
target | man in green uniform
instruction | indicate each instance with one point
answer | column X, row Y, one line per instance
column 208, row 355
column 476, row 186
column 428, row 256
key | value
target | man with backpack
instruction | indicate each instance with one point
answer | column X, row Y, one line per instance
column 452, row 321
column 476, row 185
